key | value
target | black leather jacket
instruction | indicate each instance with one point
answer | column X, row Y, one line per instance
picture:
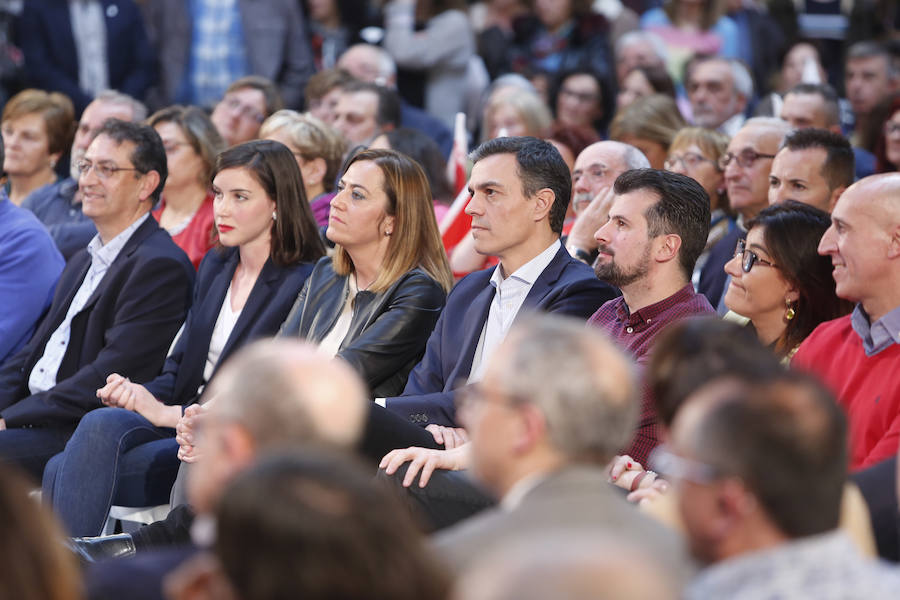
column 388, row 330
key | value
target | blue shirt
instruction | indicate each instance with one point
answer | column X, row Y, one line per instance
column 879, row 335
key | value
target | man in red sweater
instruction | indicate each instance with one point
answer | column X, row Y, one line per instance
column 858, row 355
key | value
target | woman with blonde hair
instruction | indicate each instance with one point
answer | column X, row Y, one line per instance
column 185, row 208
column 37, row 129
column 375, row 302
column 318, row 149
column 695, row 152
column 515, row 112
column 649, row 124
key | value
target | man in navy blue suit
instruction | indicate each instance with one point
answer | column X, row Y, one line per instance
column 520, row 189
column 117, row 305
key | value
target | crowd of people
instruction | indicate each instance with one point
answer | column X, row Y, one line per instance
column 639, row 343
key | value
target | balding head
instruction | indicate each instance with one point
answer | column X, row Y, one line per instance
column 864, row 244
column 270, row 395
column 369, row 63
column 597, row 168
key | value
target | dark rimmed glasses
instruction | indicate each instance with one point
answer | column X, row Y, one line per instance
column 745, row 159
column 750, row 258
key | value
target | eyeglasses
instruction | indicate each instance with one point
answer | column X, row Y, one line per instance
column 688, row 161
column 244, row 110
column 103, row 170
column 583, row 97
column 891, row 128
column 749, row 257
column 674, row 467
column 745, row 159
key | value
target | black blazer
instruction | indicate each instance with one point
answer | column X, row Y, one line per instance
column 125, row 327
column 388, row 330
column 271, row 298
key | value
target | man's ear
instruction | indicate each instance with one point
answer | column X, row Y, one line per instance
column 149, row 181
column 532, row 427
column 894, row 242
column 668, row 249
column 835, row 194
column 543, row 202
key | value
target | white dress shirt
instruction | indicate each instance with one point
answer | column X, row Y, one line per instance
column 43, row 375
column 508, row 298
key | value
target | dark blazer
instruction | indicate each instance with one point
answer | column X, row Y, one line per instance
column 712, row 275
column 270, row 300
column 388, row 329
column 51, row 60
column 274, row 38
column 566, row 287
column 125, row 327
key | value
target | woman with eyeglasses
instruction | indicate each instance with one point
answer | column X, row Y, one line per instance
column 185, row 208
column 887, row 150
column 126, row 453
column 779, row 282
column 695, row 152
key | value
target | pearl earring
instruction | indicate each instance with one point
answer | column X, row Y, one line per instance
column 274, row 216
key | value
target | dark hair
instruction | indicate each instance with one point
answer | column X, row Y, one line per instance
column 388, row 111
column 538, row 165
column 839, row 165
column 693, row 352
column 267, row 87
column 148, row 155
column 606, row 100
column 882, row 164
column 871, row 49
column 787, row 441
column 829, row 98
column 658, row 78
column 426, row 152
column 576, row 139
column 200, row 133
column 682, row 209
column 319, row 526
column 792, row 231
column 323, row 82
column 295, row 235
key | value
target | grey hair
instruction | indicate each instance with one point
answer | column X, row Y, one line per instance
column 743, row 81
column 779, row 125
column 637, row 37
column 634, row 158
column 583, row 385
column 138, row 110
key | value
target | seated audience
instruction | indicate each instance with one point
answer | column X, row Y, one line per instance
column 313, row 524
column 510, row 112
column 650, row 125
column 37, row 565
column 761, row 472
column 520, row 189
column 658, row 225
column 639, row 49
column 778, row 280
column 126, row 454
column 318, row 149
column 185, row 209
column 58, row 206
column 813, row 166
column 695, row 152
column 644, row 81
column 719, row 91
column 856, row 355
column 247, row 102
column 118, row 303
column 37, row 129
column 31, row 267
column 322, row 93
column 376, row 300
column 871, row 78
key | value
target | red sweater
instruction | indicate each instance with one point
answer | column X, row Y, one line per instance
column 868, row 387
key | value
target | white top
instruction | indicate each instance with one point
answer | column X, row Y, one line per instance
column 43, row 375
column 331, row 343
column 508, row 298
column 221, row 332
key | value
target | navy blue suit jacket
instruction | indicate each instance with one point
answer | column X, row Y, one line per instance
column 268, row 305
column 51, row 60
column 125, row 327
column 566, row 287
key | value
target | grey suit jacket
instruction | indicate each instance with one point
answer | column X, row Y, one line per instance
column 275, row 37
column 577, row 499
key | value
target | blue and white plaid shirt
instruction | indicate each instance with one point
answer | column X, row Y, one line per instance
column 218, row 52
